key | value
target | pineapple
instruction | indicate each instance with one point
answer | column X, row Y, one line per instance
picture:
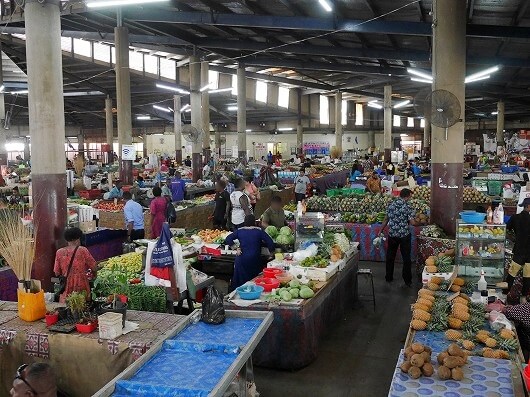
column 490, row 342
column 504, row 354
column 467, row 344
column 463, row 316
column 419, row 306
column 454, row 323
column 424, row 291
column 431, row 269
column 459, row 281
column 430, row 298
column 482, row 337
column 421, row 315
column 452, row 334
column 507, row 344
column 418, row 325
column 460, row 307
column 490, row 353
column 460, row 300
column 425, row 302
column 433, row 286
column 506, row 334
column 444, row 263
column 455, row 288
column 437, row 280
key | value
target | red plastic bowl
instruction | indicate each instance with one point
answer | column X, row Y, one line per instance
column 51, row 319
column 86, row 328
column 267, row 283
column 271, row 272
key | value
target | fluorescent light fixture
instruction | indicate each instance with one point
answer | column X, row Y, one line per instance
column 494, row 113
column 421, row 80
column 185, row 107
column 285, row 129
column 472, row 80
column 401, row 104
column 220, row 90
column 162, row 109
column 207, row 86
column 2, row 88
column 419, row 73
column 232, row 108
column 325, row 5
column 375, row 105
column 485, row 72
column 143, row 118
column 188, row 110
column 248, row 130
column 422, row 123
column 82, row 93
column 21, row 92
column 15, row 147
column 118, row 3
column 403, row 135
column 170, row 88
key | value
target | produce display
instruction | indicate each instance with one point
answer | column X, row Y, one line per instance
column 417, row 361
column 333, row 246
column 212, row 236
column 130, row 263
column 284, row 236
column 451, row 362
column 472, row 195
column 109, row 206
column 433, row 231
column 292, row 290
column 422, row 193
column 442, row 263
column 315, row 261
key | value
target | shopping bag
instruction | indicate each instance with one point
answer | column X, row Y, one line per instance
column 213, row 311
column 31, row 306
column 162, row 256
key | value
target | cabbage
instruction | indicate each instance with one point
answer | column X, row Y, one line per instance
column 286, row 231
column 271, row 231
column 283, row 239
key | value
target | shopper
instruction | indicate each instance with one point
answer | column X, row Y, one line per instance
column 301, row 183
column 368, row 164
column 115, row 192
column 158, row 212
column 354, row 174
column 187, row 162
column 37, row 379
column 399, row 217
column 222, row 206
column 73, row 262
column 134, row 218
column 140, row 182
column 229, row 185
column 373, row 184
column 104, row 185
column 520, row 224
column 274, row 215
column 390, row 168
column 239, row 204
column 206, row 169
column 248, row 261
column 178, row 188
column 269, row 157
column 252, row 192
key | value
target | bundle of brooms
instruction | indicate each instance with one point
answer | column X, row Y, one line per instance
column 17, row 246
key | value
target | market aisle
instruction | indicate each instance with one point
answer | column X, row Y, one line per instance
column 358, row 357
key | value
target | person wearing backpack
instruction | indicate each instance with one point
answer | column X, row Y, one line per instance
column 158, row 212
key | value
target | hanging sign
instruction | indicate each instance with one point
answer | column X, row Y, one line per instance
column 128, row 152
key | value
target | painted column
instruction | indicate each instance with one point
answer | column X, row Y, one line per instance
column 205, row 111
column 3, row 132
column 81, row 144
column 387, row 122
column 299, row 127
column 123, row 98
column 241, row 114
column 218, row 141
column 109, row 128
column 449, row 68
column 500, row 123
column 196, row 115
column 144, row 146
column 338, row 120
column 47, row 131
column 177, row 128
column 427, row 133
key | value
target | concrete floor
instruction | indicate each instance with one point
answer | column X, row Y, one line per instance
column 357, row 358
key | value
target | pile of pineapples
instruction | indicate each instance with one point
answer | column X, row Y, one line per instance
column 462, row 320
column 442, row 263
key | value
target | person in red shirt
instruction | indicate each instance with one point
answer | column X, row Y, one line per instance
column 158, row 212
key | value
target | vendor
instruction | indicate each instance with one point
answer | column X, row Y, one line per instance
column 140, row 182
column 157, row 208
column 15, row 197
column 274, row 215
column 134, row 218
column 248, row 262
column 222, row 206
column 73, row 262
column 187, row 161
column 354, row 174
column 115, row 192
column 206, row 170
column 252, row 192
column 520, row 224
column 104, row 185
column 373, row 184
column 178, row 188
column 239, row 204
column 390, row 168
column 301, row 182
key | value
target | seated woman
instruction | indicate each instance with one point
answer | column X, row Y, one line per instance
column 248, row 262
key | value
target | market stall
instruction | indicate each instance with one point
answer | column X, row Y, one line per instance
column 294, row 338
column 330, row 181
column 24, row 342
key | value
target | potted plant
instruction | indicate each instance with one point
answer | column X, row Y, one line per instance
column 52, row 316
column 76, row 302
column 87, row 324
column 117, row 299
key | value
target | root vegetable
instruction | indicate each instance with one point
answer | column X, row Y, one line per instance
column 414, row 372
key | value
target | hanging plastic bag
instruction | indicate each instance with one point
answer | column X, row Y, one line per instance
column 213, row 311
column 162, row 256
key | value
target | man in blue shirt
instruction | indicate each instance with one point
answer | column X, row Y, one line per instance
column 400, row 215
column 134, row 218
column 178, row 188
column 115, row 192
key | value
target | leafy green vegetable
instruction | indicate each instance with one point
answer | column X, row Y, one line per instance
column 286, row 231
column 271, row 231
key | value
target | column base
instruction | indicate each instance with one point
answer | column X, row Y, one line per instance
column 49, row 218
column 196, row 165
column 446, row 201
column 126, row 175
column 178, row 156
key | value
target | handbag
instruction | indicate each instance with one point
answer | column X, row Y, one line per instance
column 61, row 287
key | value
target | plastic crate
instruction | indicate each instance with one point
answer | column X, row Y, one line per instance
column 333, row 192
column 110, row 325
column 494, row 188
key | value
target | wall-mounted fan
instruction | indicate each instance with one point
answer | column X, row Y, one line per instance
column 191, row 134
column 445, row 109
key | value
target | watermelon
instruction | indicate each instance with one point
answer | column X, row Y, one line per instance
column 286, row 231
column 272, row 231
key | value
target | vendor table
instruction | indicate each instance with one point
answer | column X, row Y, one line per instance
column 222, row 267
column 191, row 193
column 104, row 243
column 330, row 181
column 430, row 246
column 75, row 356
column 293, row 339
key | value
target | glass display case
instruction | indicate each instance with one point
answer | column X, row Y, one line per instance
column 72, row 215
column 309, row 228
column 480, row 247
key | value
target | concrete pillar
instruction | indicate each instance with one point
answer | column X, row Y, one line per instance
column 47, row 131
column 177, row 128
column 123, row 98
column 109, row 128
column 387, row 122
column 449, row 68
column 427, row 132
column 27, row 151
column 338, row 120
column 299, row 127
column 196, row 116
column 500, row 123
column 241, row 114
column 218, row 141
column 81, row 144
column 3, row 132
column 205, row 111
column 144, row 146
column 371, row 139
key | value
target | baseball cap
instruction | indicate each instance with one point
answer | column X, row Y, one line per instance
column 525, row 203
